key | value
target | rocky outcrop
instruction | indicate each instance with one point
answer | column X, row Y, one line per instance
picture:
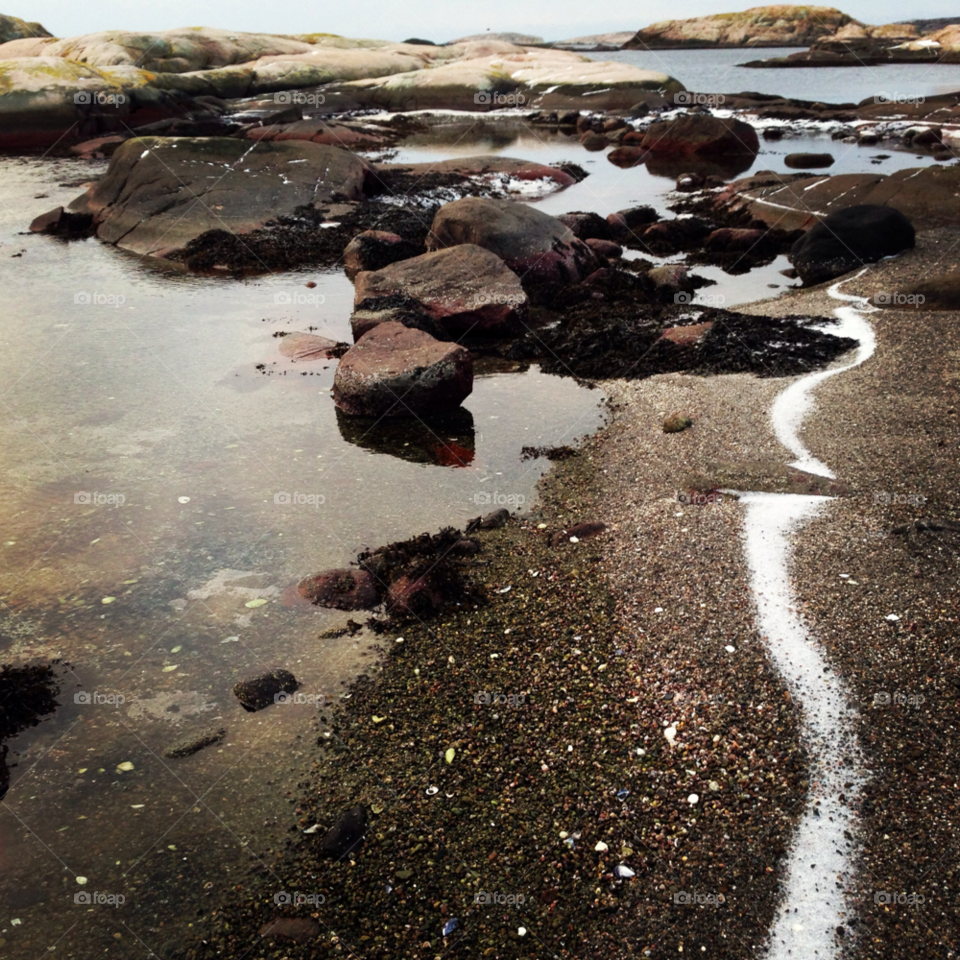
column 778, row 25
column 395, row 371
column 930, row 195
column 531, row 243
column 848, row 239
column 160, row 193
column 466, row 289
column 13, row 28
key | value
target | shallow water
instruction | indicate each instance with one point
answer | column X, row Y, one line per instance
column 142, row 517
column 719, row 71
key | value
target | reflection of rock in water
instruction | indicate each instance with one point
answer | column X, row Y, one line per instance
column 171, row 706
column 26, row 696
column 446, row 442
column 726, row 168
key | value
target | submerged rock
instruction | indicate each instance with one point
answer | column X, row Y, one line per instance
column 395, row 371
column 193, row 743
column 808, row 161
column 850, row 238
column 308, row 346
column 345, row 589
column 297, row 929
column 346, row 835
column 256, row 693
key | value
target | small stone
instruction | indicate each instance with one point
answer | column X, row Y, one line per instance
column 676, row 423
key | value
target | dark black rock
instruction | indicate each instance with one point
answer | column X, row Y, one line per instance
column 259, row 692
column 346, row 835
column 848, row 239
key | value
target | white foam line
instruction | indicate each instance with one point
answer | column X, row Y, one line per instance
column 819, row 860
column 796, row 402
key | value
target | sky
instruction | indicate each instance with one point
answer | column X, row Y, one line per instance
column 438, row 20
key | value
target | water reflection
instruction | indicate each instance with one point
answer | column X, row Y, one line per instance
column 446, row 442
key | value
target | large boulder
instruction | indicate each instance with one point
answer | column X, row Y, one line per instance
column 396, row 371
column 159, row 193
column 700, row 135
column 780, row 25
column 465, row 288
column 848, row 239
column 531, row 243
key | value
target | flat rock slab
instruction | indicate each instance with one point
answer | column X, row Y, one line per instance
column 508, row 172
column 308, row 346
column 159, row 193
column 298, row 929
column 396, row 371
column 466, row 288
column 531, row 243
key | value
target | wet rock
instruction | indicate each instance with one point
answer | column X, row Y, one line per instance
column 395, row 371
column 575, row 533
column 704, row 136
column 688, row 182
column 465, row 288
column 672, row 276
column 374, row 250
column 672, row 236
column 594, row 141
column 297, row 929
column 60, row 222
column 256, row 693
column 397, row 308
column 98, row 147
column 193, row 743
column 531, row 243
column 495, row 519
column 414, row 597
column 346, row 835
column 345, row 589
column 159, row 192
column 731, row 239
column 773, row 133
column 308, row 346
column 586, row 226
column 808, row 161
column 628, row 156
column 689, row 335
column 928, row 137
column 676, row 423
column 606, row 249
column 848, row 239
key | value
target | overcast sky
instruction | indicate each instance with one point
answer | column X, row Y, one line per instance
column 437, row 20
